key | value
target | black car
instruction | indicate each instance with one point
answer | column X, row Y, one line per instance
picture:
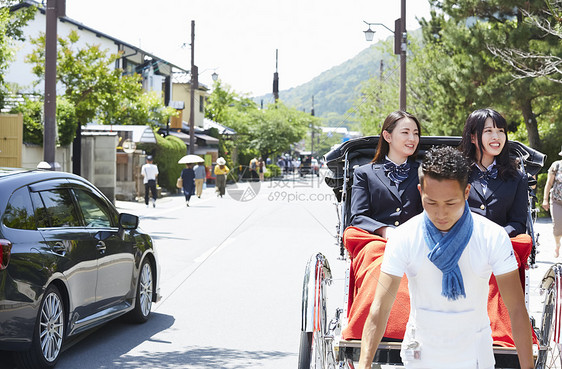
column 68, row 262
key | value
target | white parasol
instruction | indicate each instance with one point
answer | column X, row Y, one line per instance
column 191, row 159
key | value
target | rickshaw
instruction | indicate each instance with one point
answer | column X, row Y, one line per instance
column 321, row 342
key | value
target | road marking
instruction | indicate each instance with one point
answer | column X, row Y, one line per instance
column 207, row 255
column 204, row 256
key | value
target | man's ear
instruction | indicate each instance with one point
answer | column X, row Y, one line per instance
column 467, row 191
column 420, row 189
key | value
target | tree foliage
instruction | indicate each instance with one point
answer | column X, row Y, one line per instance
column 11, row 24
column 451, row 72
column 536, row 61
column 167, row 151
column 464, row 33
column 32, row 112
column 262, row 133
column 274, row 129
column 96, row 89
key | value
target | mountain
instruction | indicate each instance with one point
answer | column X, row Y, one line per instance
column 336, row 89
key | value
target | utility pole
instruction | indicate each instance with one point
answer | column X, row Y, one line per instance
column 403, row 46
column 312, row 131
column 55, row 9
column 400, row 48
column 276, row 80
column 193, row 85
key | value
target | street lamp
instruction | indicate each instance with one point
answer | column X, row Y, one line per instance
column 370, row 33
column 214, row 76
column 400, row 46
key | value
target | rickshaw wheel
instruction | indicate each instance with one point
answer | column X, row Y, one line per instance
column 550, row 357
column 313, row 351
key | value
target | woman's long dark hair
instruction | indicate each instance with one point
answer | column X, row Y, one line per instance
column 475, row 126
column 389, row 125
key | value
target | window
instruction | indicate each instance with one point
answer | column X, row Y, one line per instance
column 19, row 211
column 55, row 208
column 94, row 211
column 201, row 104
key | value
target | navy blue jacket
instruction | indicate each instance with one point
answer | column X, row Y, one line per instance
column 376, row 201
column 504, row 203
column 188, row 177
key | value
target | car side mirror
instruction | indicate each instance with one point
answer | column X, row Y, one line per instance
column 128, row 221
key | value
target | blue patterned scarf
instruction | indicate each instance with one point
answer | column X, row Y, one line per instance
column 446, row 251
column 396, row 173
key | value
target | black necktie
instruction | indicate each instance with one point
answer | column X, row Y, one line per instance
column 396, row 173
column 485, row 176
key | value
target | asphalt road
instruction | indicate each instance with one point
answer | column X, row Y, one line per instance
column 231, row 280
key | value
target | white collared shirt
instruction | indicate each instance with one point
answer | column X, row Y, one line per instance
column 485, row 186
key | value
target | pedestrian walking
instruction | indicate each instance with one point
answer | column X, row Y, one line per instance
column 200, row 176
column 261, row 169
column 149, row 172
column 221, row 170
column 281, row 164
column 254, row 177
column 552, row 200
column 448, row 254
column 188, row 178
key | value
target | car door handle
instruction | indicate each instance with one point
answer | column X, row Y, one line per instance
column 59, row 248
column 101, row 247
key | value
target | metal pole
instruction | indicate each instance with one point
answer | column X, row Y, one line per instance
column 50, row 104
column 403, row 57
column 193, row 73
column 276, row 80
column 312, row 132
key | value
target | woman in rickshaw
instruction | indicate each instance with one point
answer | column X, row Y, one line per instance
column 384, row 194
column 499, row 191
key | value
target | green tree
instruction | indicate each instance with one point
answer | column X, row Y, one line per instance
column 258, row 132
column 97, row 90
column 32, row 112
column 167, row 151
column 11, row 24
column 274, row 129
column 468, row 76
column 379, row 95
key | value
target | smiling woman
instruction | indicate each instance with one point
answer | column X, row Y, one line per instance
column 499, row 190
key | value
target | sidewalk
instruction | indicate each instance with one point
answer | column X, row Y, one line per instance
column 164, row 202
column 544, row 260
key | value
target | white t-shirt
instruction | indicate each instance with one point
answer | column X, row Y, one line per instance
column 459, row 322
column 149, row 171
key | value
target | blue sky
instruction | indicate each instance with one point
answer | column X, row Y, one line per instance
column 238, row 38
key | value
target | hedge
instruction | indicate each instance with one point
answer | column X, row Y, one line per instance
column 166, row 152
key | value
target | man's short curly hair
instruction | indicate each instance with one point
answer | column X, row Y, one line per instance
column 445, row 162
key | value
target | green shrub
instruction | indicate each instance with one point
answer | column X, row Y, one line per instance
column 32, row 111
column 32, row 115
column 541, row 182
column 166, row 152
column 273, row 171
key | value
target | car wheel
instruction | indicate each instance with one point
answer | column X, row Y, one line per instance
column 143, row 299
column 48, row 333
